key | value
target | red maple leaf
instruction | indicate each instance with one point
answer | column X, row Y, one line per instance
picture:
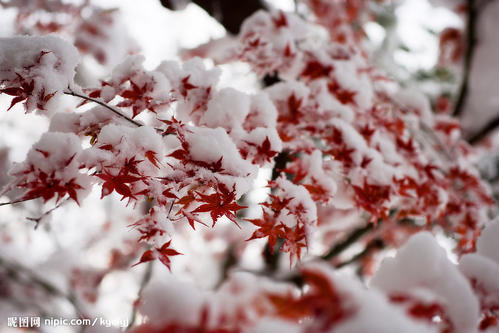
column 268, row 227
column 314, row 70
column 343, row 95
column 191, row 218
column 151, row 156
column 294, row 241
column 118, row 184
column 264, row 153
column 367, row 132
column 47, row 186
column 165, row 252
column 220, row 203
column 317, row 192
column 280, row 20
column 294, row 114
column 407, row 146
column 186, row 86
column 372, row 197
column 277, row 204
column 162, row 253
column 342, row 154
column 22, row 93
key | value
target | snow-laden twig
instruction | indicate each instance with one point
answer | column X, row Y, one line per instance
column 116, row 112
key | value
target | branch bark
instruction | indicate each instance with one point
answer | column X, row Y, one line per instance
column 470, row 48
column 116, row 112
column 354, row 236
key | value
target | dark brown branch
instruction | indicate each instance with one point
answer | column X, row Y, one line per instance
column 470, row 49
column 354, row 236
column 483, row 132
column 15, row 202
column 116, row 112
column 376, row 244
column 230, row 261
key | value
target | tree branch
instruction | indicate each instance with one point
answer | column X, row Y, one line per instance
column 143, row 283
column 37, row 220
column 116, row 112
column 354, row 236
column 16, row 271
column 470, row 48
column 484, row 131
column 14, row 202
column 373, row 245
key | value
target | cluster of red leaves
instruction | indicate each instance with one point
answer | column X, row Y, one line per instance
column 425, row 311
column 220, row 203
column 271, row 224
column 23, row 88
column 137, row 97
column 321, row 307
column 338, row 17
column 148, row 227
column 438, row 193
column 48, row 186
column 162, row 253
column 372, row 198
column 263, row 151
column 40, row 184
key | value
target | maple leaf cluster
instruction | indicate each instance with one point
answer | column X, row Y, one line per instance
column 335, row 109
column 94, row 31
column 347, row 151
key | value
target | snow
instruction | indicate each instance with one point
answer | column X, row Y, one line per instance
column 227, row 108
column 482, row 267
column 49, row 62
column 422, row 265
column 372, row 312
column 209, row 144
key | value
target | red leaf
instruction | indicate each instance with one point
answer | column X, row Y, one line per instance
column 220, row 203
column 146, row 256
column 151, row 156
column 268, row 227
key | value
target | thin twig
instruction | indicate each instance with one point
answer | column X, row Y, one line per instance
column 470, row 49
column 118, row 113
column 143, row 283
column 37, row 220
column 109, row 107
column 15, row 202
column 373, row 245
